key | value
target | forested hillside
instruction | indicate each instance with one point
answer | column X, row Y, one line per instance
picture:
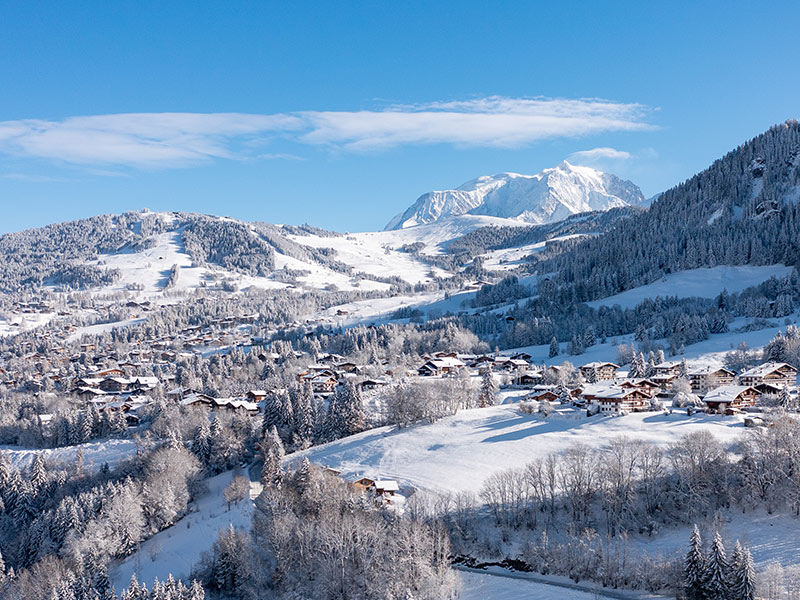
column 742, row 210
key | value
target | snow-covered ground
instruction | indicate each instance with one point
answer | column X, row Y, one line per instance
column 700, row 283
column 497, row 584
column 178, row 549
column 459, row 452
column 15, row 323
column 111, row 451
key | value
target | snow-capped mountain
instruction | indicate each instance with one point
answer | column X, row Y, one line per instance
column 546, row 197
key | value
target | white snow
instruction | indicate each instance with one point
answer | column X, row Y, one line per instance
column 701, row 283
column 480, row 586
column 111, row 451
column 459, row 452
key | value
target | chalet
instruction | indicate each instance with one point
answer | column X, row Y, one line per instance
column 651, row 388
column 323, row 383
column 372, row 384
column 198, row 399
column 605, row 370
column 529, row 378
column 730, row 397
column 615, row 400
column 775, row 373
column 542, row 396
column 235, row 404
column 707, row 378
column 385, row 487
column 115, row 385
column 670, row 367
column 144, row 384
column 504, row 363
column 440, row 366
column 664, row 382
column 256, row 395
column 522, row 356
column 362, row 484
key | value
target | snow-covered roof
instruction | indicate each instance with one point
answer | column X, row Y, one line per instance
column 708, row 370
column 725, row 393
column 387, row 485
column 597, row 364
column 767, row 368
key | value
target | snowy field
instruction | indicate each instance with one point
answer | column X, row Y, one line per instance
column 112, row 451
column 700, row 283
column 459, row 452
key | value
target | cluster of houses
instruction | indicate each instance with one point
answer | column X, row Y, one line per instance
column 720, row 389
column 330, row 370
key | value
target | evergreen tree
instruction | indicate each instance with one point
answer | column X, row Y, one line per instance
column 786, row 400
column 554, row 348
column 201, row 444
column 272, row 448
column 715, row 577
column 488, row 392
column 694, row 568
column 743, row 574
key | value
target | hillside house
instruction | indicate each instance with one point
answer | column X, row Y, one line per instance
column 651, row 388
column 529, row 378
column 670, row 367
column 372, row 384
column 256, row 395
column 440, row 366
column 616, row 400
column 605, row 370
column 730, row 397
column 775, row 373
column 705, row 379
column 115, row 385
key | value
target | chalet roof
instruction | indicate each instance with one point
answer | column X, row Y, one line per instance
column 709, row 370
column 726, row 393
column 598, row 364
column 767, row 368
column 668, row 364
column 386, row 485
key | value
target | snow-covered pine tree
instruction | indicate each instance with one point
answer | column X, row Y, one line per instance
column 563, row 393
column 554, row 348
column 272, row 471
column 488, row 389
column 303, row 417
column 715, row 577
column 742, row 577
column 352, row 406
column 694, row 568
column 786, row 400
column 38, row 473
column 592, row 377
column 201, row 444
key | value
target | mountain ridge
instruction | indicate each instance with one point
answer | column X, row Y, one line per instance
column 546, row 197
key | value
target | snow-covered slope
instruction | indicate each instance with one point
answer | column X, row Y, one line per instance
column 458, row 453
column 546, row 197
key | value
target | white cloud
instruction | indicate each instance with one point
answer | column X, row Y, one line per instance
column 160, row 140
column 600, row 153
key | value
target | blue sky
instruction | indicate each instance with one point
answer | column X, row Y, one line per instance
column 341, row 115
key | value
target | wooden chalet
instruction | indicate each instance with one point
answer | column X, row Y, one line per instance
column 775, row 373
column 706, row 379
column 605, row 370
column 729, row 398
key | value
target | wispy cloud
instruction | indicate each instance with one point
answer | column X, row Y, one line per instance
column 600, row 153
column 167, row 140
